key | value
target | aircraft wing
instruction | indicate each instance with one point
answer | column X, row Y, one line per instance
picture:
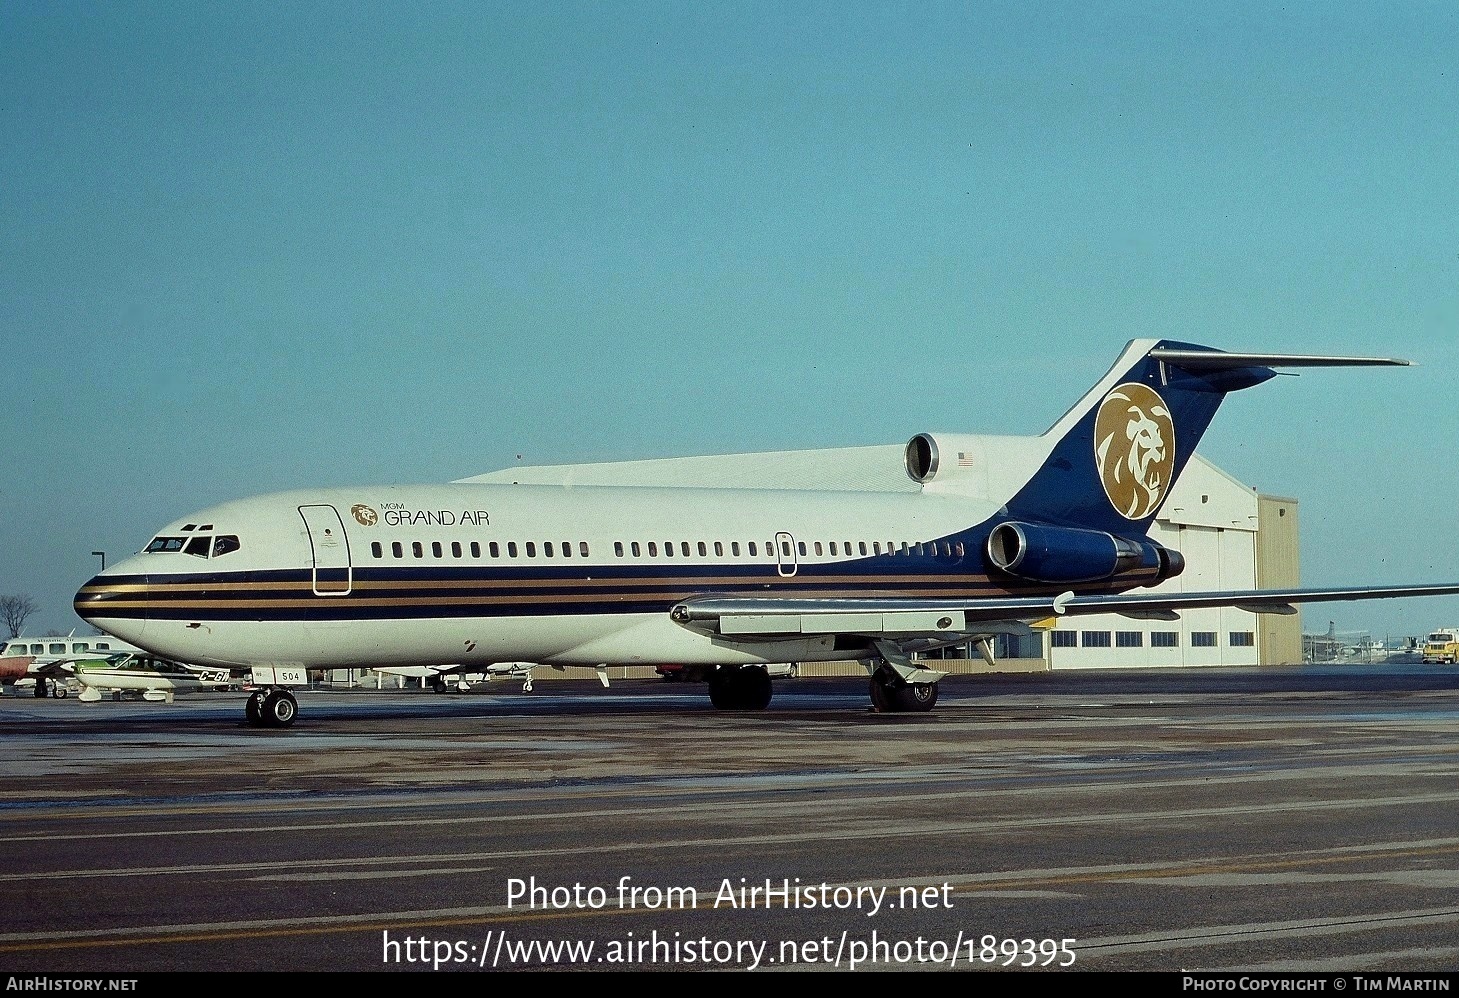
column 58, row 668
column 755, row 616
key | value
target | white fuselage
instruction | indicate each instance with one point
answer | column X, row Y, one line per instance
column 480, row 573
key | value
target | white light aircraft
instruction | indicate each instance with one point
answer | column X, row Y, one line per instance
column 675, row 562
column 48, row 659
column 135, row 672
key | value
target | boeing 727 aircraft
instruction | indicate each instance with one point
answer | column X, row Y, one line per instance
column 660, row 562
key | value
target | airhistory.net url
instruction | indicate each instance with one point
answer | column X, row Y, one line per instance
column 499, row 950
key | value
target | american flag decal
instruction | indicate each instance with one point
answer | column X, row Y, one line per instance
column 964, row 459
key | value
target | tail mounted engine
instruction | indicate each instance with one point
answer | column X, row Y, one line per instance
column 1041, row 553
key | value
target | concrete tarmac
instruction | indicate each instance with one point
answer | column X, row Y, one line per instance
column 1292, row 819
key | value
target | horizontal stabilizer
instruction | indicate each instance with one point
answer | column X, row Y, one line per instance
column 1219, row 360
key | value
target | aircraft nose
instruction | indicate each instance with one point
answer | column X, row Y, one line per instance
column 114, row 603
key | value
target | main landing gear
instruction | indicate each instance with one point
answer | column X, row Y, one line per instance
column 900, row 685
column 740, row 687
column 271, row 708
column 892, row 694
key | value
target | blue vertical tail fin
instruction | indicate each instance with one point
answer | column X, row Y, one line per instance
column 1116, row 454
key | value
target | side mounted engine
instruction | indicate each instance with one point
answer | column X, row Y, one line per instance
column 1042, row 553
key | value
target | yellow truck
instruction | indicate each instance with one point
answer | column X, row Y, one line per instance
column 1442, row 646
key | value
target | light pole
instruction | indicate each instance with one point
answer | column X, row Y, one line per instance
column 102, row 556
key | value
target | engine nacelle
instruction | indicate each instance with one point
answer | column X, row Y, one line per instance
column 1041, row 553
column 925, row 457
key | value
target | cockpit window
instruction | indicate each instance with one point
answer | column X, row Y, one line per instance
column 166, row 544
column 199, row 545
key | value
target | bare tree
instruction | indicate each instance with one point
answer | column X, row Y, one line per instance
column 14, row 610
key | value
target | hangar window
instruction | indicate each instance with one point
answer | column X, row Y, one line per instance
column 395, row 550
column 376, row 549
column 1129, row 639
column 1243, row 639
column 1203, row 639
column 1063, row 639
column 1094, row 639
column 1164, row 639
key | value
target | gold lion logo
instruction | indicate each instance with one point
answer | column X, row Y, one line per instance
column 367, row 516
column 1134, row 447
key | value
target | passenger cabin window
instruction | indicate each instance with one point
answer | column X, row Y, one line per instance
column 531, row 549
column 435, row 549
column 395, row 549
column 618, row 549
column 376, row 549
column 417, row 550
column 634, row 548
column 496, row 552
column 476, row 549
column 511, row 549
column 455, row 549
column 583, row 548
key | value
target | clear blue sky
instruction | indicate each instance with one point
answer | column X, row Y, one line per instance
column 263, row 246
